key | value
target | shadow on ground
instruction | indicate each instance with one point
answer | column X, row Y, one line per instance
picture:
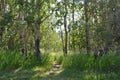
column 66, row 74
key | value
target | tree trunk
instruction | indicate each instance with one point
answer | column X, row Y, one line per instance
column 66, row 36
column 2, row 11
column 10, row 42
column 87, row 27
column 37, row 42
column 61, row 35
column 73, row 29
column 23, row 34
column 0, row 25
column 37, row 32
column 65, row 27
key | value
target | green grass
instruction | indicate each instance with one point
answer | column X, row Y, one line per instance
column 39, row 73
column 13, row 66
column 13, row 60
column 10, row 60
column 84, row 62
column 78, row 61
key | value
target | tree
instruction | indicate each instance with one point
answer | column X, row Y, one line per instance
column 22, row 29
column 65, row 27
column 2, row 21
column 37, row 30
column 87, row 27
column 73, row 28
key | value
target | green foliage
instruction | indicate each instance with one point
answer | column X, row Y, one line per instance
column 29, row 19
column 20, row 2
column 29, row 61
column 10, row 60
column 84, row 62
column 7, row 18
column 110, row 62
column 13, row 60
column 106, row 65
column 59, row 58
column 47, row 59
column 78, row 61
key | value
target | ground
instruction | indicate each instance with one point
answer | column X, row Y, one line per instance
column 39, row 73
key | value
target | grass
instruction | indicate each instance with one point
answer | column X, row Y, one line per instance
column 13, row 60
column 39, row 73
column 74, row 67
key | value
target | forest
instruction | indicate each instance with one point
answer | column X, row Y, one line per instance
column 59, row 39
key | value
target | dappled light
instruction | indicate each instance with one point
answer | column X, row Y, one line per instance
column 59, row 39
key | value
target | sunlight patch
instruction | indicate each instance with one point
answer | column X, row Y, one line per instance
column 17, row 70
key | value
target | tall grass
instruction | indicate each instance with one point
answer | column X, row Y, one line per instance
column 10, row 60
column 84, row 62
column 13, row 59
column 78, row 61
column 110, row 62
column 59, row 58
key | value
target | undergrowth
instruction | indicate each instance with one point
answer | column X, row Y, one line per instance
column 13, row 59
column 82, row 62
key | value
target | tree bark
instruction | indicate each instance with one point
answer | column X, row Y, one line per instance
column 2, row 11
column 73, row 29
column 37, row 42
column 61, row 35
column 65, row 27
column 23, row 34
column 37, row 32
column 87, row 27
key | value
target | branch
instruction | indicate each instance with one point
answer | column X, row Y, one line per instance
column 46, row 17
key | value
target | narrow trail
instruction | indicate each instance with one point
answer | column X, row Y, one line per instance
column 56, row 68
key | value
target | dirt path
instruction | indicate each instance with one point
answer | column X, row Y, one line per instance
column 56, row 68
